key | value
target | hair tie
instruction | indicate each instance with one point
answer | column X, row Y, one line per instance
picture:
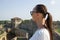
column 46, row 16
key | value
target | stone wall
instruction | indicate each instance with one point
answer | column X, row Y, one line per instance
column 56, row 36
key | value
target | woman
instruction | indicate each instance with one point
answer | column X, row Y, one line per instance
column 43, row 19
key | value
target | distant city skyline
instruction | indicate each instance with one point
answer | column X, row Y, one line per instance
column 21, row 8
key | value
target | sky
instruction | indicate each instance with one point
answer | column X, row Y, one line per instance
column 21, row 8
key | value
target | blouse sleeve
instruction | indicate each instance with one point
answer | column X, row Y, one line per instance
column 40, row 35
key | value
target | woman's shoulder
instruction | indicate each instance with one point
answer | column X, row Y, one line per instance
column 42, row 34
column 43, row 31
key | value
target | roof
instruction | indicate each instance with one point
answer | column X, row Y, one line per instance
column 16, row 18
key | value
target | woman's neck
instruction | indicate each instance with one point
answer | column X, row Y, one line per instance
column 39, row 24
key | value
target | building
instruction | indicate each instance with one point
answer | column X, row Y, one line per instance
column 15, row 21
column 3, row 36
column 20, row 34
column 1, row 26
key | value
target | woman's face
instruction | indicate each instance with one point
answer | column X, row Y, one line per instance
column 37, row 16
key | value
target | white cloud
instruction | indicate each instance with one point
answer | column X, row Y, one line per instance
column 52, row 2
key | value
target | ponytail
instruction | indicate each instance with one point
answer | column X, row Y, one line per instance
column 49, row 25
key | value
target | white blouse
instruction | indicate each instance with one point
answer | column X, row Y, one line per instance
column 41, row 34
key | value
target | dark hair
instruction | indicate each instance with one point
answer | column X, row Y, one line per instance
column 42, row 9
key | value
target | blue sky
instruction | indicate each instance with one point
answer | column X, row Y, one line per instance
column 22, row 8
